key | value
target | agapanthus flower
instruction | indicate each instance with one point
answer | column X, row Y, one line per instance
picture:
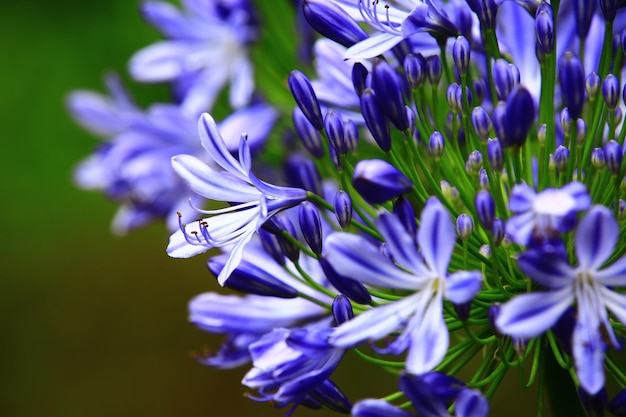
column 424, row 271
column 587, row 284
column 253, row 201
column 206, row 49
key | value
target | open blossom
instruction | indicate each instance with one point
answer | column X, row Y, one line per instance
column 206, row 49
column 253, row 201
column 419, row 315
column 587, row 284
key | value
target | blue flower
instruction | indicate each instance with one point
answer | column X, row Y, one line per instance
column 253, row 201
column 419, row 314
column 206, row 49
column 290, row 365
column 545, row 215
column 588, row 285
column 430, row 395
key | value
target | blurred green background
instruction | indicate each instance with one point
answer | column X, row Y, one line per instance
column 92, row 324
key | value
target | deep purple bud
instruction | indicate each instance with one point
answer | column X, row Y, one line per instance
column 495, row 154
column 592, row 85
column 498, row 119
column 610, row 91
column 622, row 39
column 463, row 310
column 451, row 97
column 347, row 286
column 519, row 117
column 480, row 89
column 359, row 75
column 617, row 406
column 503, row 78
column 334, row 157
column 481, row 122
column 492, row 315
column 291, row 251
column 333, row 125
column 415, row 69
column 434, row 69
column 303, row 173
column 458, row 97
column 342, row 310
column 437, row 144
column 461, row 54
column 250, row 279
column 609, row 8
column 328, row 395
column 544, row 27
column 351, row 135
column 486, row 11
column 498, row 231
column 485, row 209
column 475, row 160
column 572, row 82
column 342, row 203
column 305, row 97
column 614, row 156
column 389, row 93
column 375, row 119
column 597, row 158
column 311, row 226
column 464, row 226
column 378, row 181
column 309, row 135
column 584, row 10
column 594, row 404
column 271, row 245
column 483, row 180
column 618, row 114
column 561, row 158
column 403, row 210
column 332, row 22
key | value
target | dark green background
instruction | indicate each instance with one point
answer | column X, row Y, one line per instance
column 94, row 325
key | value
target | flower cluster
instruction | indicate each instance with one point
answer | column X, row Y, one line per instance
column 449, row 204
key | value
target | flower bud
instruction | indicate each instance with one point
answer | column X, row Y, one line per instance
column 378, row 181
column 333, row 125
column 342, row 203
column 503, row 78
column 311, row 226
column 592, row 85
column 594, row 404
column 498, row 231
column 403, row 210
column 486, row 11
column 475, row 160
column 461, row 54
column 434, row 69
column 561, row 158
column 485, row 209
column 544, row 27
column 495, row 154
column 332, row 22
column 581, row 131
column 572, row 82
column 584, row 10
column 519, row 117
column 349, row 287
column 437, row 144
column 464, row 226
column 305, row 97
column 375, row 119
column 481, row 122
column 597, row 158
column 610, row 91
column 351, row 135
column 614, row 156
column 609, row 9
column 342, row 310
column 415, row 70
column 483, row 180
column 359, row 76
column 566, row 121
column 271, row 245
column 308, row 134
column 304, row 174
column 389, row 93
column 452, row 98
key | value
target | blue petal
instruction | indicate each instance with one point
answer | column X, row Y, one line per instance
column 436, row 237
column 588, row 350
column 462, row 286
column 373, row 46
column 529, row 315
column 471, row 403
column 166, row 60
column 374, row 324
column 215, row 185
column 354, row 257
column 614, row 274
column 548, row 269
column 596, row 237
column 214, row 144
column 401, row 244
column 429, row 341
column 616, row 303
column 255, row 121
column 167, row 18
column 522, row 197
column 377, row 408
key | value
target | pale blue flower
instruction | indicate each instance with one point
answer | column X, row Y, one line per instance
column 253, row 201
column 424, row 271
column 206, row 49
column 588, row 285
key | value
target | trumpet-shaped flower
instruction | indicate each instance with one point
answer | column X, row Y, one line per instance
column 252, row 200
column 425, row 272
column 205, row 50
column 588, row 285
